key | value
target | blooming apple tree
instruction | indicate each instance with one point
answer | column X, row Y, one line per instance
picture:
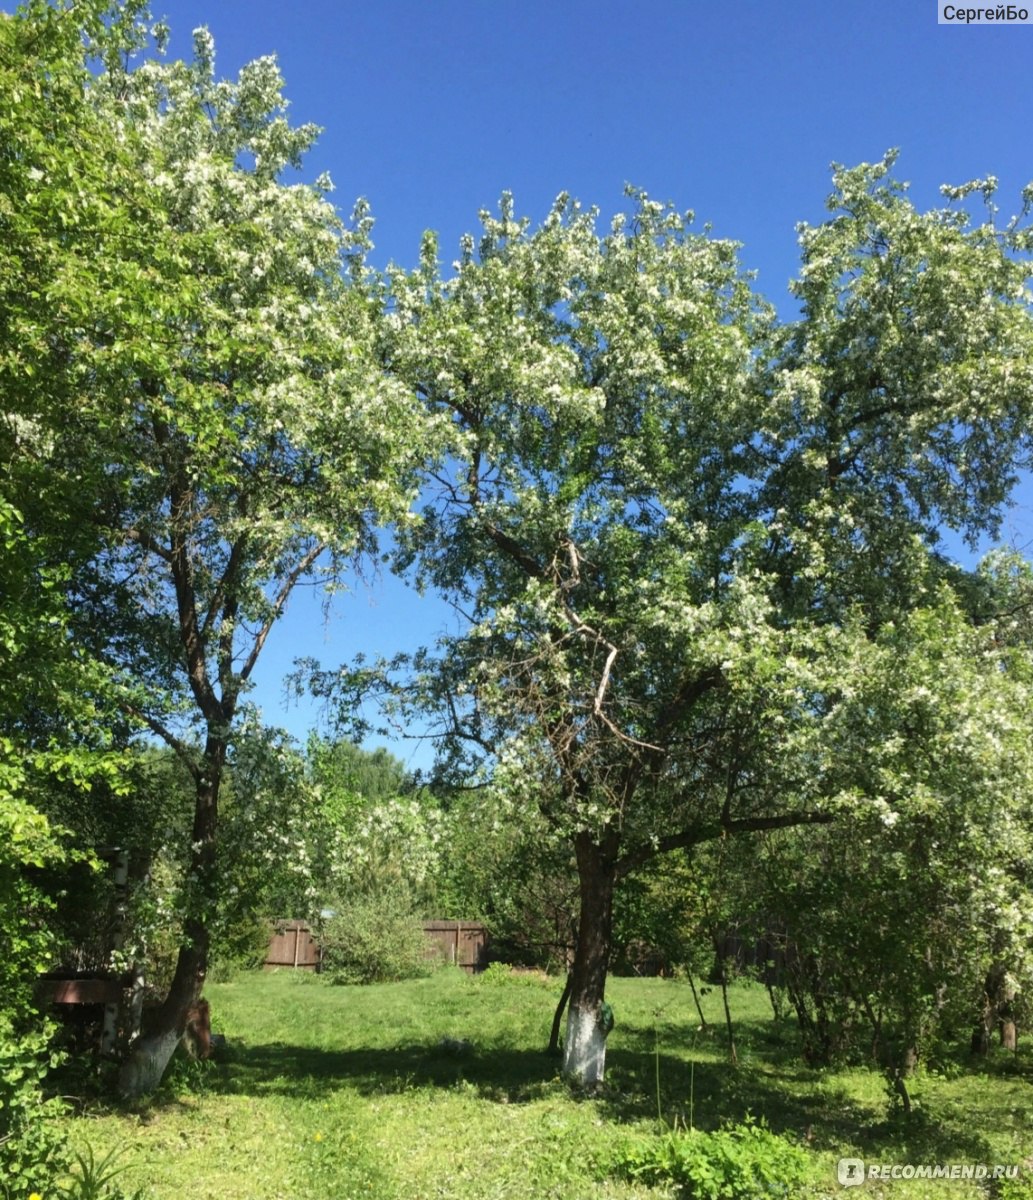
column 252, row 440
column 671, row 524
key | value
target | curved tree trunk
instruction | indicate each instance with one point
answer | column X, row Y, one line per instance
column 554, row 1036
column 703, row 1026
column 588, row 1018
column 149, row 1055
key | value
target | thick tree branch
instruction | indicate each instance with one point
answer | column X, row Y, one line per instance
column 515, row 552
column 149, row 543
column 691, row 689
column 698, row 834
column 226, row 584
column 184, row 751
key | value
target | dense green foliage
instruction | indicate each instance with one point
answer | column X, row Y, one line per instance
column 30, row 1151
column 897, row 919
column 64, row 184
column 374, row 937
column 740, row 1162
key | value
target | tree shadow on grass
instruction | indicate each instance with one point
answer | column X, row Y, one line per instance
column 778, row 1087
column 792, row 1098
column 796, row 1102
column 504, row 1074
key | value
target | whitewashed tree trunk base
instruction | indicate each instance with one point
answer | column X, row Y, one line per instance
column 109, row 1030
column 134, row 1016
column 143, row 1069
column 584, row 1051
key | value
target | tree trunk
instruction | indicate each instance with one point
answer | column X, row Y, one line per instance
column 723, row 980
column 149, row 1055
column 554, row 1036
column 984, row 1026
column 588, row 1018
column 900, row 1088
column 1006, row 993
column 999, row 993
column 699, row 1008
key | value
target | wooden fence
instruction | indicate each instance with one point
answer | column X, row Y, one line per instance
column 462, row 943
column 293, row 945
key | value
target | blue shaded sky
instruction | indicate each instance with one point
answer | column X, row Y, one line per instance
column 431, row 109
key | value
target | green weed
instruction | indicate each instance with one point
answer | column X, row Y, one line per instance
column 738, row 1162
column 91, row 1178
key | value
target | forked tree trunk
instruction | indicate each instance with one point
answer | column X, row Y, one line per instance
column 149, row 1055
column 588, row 1020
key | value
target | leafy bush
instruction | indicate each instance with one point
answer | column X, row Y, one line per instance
column 499, row 974
column 31, row 1151
column 241, row 946
column 375, row 938
column 738, row 1162
column 495, row 974
column 1020, row 1188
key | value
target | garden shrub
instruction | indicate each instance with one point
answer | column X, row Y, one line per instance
column 375, row 937
column 500, row 974
column 738, row 1162
column 31, row 1151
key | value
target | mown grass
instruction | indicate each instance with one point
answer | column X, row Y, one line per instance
column 339, row 1092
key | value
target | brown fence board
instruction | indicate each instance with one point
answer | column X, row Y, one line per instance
column 293, row 945
column 462, row 943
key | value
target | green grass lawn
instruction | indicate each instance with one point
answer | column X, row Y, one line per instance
column 338, row 1092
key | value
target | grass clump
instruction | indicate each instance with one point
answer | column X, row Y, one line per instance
column 95, row 1179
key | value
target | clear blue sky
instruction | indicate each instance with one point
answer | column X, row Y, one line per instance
column 430, row 108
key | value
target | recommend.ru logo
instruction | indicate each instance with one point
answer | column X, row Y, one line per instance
column 851, row 1172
